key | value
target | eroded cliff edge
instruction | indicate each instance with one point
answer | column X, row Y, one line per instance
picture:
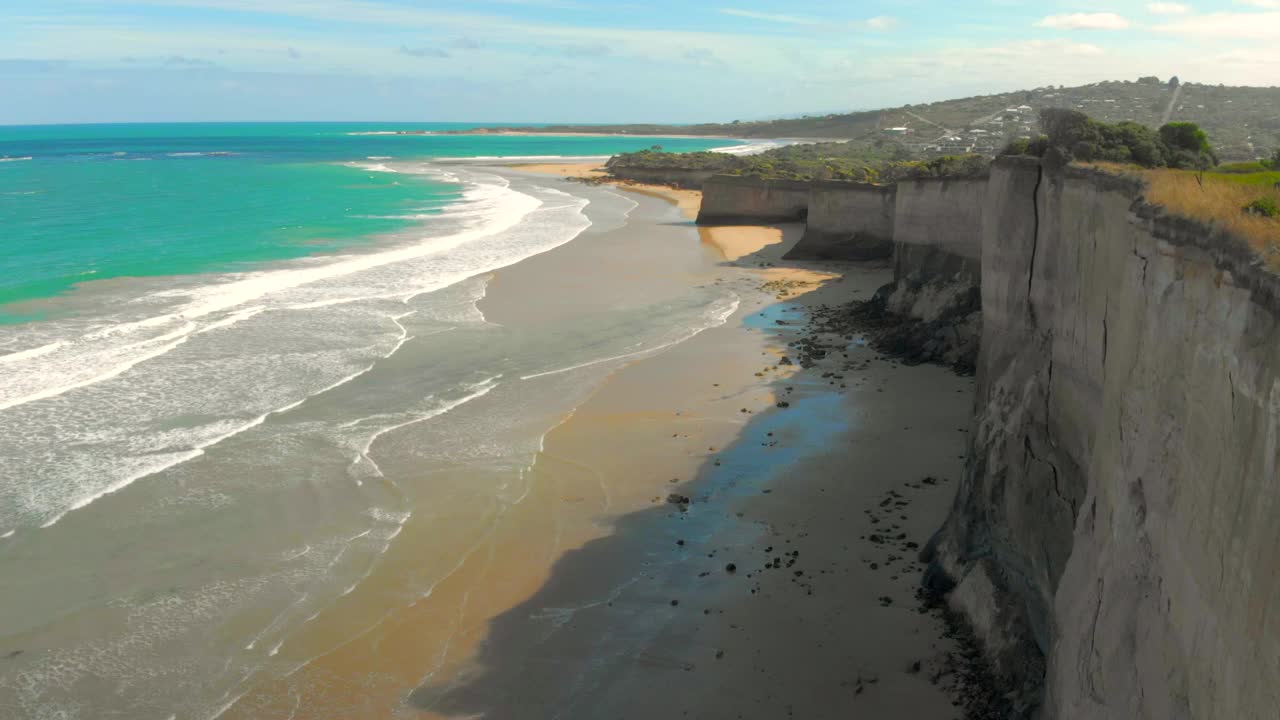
column 1115, row 541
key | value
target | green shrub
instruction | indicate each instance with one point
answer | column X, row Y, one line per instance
column 1265, row 206
column 1188, row 145
column 1131, row 142
column 1066, row 127
column 1185, row 136
column 1072, row 135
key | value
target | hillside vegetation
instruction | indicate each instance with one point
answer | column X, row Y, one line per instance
column 852, row 162
column 1244, row 122
column 1179, row 167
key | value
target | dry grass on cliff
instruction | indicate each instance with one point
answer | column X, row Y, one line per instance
column 1217, row 200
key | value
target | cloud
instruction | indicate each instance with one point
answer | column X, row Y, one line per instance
column 183, row 61
column 1249, row 25
column 593, row 50
column 1268, row 4
column 465, row 43
column 1168, row 8
column 293, row 53
column 422, row 52
column 1084, row 21
column 769, row 17
column 1038, row 49
column 1259, row 58
column 882, row 22
column 22, row 65
column 701, row 56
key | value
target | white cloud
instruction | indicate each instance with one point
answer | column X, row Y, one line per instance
column 1269, row 4
column 1168, row 8
column 1259, row 58
column 1084, row 21
column 1251, row 25
column 882, row 22
column 1038, row 49
column 768, row 17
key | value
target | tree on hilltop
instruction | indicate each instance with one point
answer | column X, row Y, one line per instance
column 1189, row 146
column 1072, row 135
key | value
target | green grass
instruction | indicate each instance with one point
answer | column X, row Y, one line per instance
column 1265, row 179
column 1242, row 167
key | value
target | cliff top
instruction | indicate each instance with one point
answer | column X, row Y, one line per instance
column 1207, row 210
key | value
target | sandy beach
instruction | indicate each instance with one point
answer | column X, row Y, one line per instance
column 733, row 242
column 716, row 532
column 751, row 551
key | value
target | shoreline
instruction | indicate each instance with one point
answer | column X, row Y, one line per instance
column 731, row 241
column 606, row 582
column 694, row 443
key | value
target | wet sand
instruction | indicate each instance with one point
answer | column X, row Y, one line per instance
column 592, row 594
column 785, row 585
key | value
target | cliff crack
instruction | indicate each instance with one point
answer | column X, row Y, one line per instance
column 1094, row 660
column 1106, row 312
column 1053, row 470
column 1144, row 259
column 1035, row 240
column 1231, row 383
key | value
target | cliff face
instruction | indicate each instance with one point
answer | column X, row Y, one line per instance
column 728, row 200
column 692, row 179
column 937, row 233
column 1116, row 538
column 847, row 221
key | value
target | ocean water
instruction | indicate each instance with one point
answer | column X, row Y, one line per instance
column 95, row 202
column 234, row 360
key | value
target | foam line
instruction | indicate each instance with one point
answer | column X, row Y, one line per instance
column 113, row 372
column 198, row 450
column 723, row 318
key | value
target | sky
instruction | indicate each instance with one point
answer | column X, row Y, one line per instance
column 73, row 61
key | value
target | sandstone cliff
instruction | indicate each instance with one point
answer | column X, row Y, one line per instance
column 1116, row 541
column 938, row 228
column 691, row 179
column 847, row 221
column 730, row 200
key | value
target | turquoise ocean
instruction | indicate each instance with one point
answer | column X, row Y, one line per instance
column 236, row 360
column 80, row 203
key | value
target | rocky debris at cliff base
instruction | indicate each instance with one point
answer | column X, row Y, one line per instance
column 910, row 340
column 964, row 672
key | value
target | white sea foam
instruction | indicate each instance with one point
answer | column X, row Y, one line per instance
column 717, row 315
column 529, row 158
column 31, row 352
column 364, row 440
column 509, row 209
column 753, row 147
column 97, row 404
column 14, row 159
